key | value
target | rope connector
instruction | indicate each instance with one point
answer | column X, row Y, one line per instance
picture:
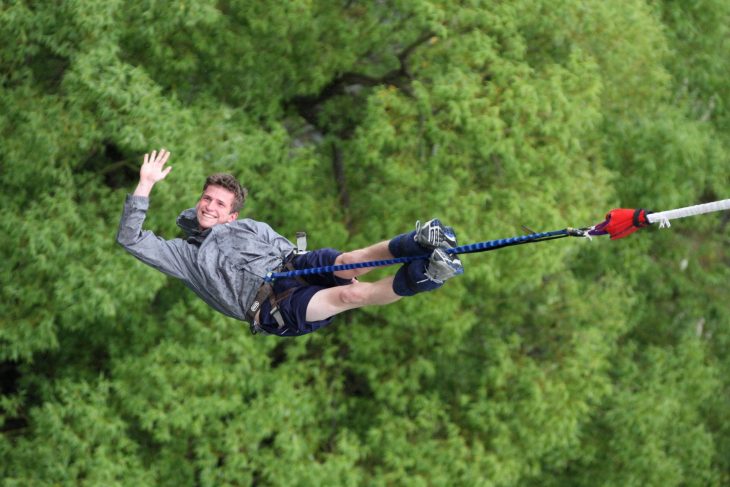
column 580, row 232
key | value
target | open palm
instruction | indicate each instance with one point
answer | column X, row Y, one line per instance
column 153, row 168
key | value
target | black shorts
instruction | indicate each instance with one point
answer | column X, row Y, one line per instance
column 293, row 307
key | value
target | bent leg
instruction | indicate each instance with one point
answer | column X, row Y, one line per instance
column 378, row 251
column 331, row 301
column 421, row 242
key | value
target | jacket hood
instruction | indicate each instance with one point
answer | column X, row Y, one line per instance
column 188, row 222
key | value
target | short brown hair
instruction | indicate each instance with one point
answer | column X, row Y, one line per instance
column 231, row 184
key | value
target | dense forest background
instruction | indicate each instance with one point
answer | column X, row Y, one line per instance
column 568, row 363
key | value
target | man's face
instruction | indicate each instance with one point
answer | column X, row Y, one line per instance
column 215, row 206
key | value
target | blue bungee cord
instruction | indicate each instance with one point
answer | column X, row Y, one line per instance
column 619, row 223
column 463, row 249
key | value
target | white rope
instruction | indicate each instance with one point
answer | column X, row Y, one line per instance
column 663, row 217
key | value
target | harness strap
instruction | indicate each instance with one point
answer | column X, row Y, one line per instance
column 266, row 291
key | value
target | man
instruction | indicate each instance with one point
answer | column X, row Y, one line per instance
column 224, row 260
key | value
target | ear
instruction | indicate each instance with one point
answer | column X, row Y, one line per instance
column 232, row 217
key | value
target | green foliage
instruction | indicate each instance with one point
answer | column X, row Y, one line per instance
column 565, row 363
column 696, row 34
column 651, row 431
column 82, row 441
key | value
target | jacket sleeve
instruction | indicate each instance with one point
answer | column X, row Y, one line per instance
column 164, row 255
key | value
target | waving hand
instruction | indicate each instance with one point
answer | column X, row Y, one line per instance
column 152, row 171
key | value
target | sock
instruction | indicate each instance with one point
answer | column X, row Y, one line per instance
column 404, row 245
column 411, row 279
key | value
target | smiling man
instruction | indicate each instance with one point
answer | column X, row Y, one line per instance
column 215, row 205
column 224, row 259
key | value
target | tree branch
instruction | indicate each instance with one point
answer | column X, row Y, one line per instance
column 308, row 106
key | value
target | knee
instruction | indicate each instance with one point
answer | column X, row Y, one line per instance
column 346, row 258
column 354, row 294
column 350, row 258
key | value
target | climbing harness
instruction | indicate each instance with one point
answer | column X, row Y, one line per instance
column 266, row 291
column 619, row 223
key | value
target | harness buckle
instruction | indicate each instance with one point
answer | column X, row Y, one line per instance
column 266, row 291
column 301, row 243
column 256, row 328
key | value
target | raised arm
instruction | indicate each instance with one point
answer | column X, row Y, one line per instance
column 167, row 256
column 152, row 171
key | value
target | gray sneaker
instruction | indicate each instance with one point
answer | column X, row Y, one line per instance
column 434, row 235
column 442, row 266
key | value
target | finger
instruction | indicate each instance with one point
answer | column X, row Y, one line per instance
column 146, row 158
column 153, row 156
column 166, row 171
column 164, row 156
column 161, row 157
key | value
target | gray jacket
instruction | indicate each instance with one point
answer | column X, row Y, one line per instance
column 224, row 265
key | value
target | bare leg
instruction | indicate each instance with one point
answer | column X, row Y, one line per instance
column 331, row 301
column 378, row 251
column 410, row 279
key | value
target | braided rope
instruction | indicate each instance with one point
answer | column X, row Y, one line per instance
column 663, row 217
